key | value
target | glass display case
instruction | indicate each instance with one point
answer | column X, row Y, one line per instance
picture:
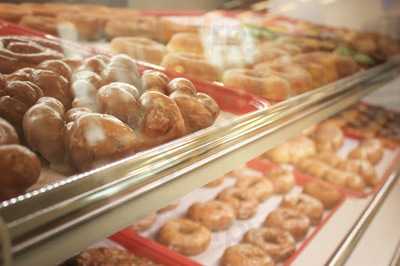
column 267, row 134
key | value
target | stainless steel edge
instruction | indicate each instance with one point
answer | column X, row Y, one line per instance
column 395, row 261
column 89, row 207
column 353, row 237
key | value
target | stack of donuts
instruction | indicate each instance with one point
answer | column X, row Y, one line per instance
column 78, row 116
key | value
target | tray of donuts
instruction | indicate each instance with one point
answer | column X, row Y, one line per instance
column 220, row 49
column 62, row 116
column 246, row 215
column 364, row 120
column 356, row 167
column 126, row 248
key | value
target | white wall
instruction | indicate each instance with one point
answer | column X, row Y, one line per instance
column 365, row 15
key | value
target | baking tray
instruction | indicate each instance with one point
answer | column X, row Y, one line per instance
column 223, row 239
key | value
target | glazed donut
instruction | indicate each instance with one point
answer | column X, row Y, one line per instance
column 369, row 149
column 88, row 26
column 277, row 243
column 300, row 79
column 265, row 53
column 161, row 120
column 94, row 139
column 144, row 223
column 270, row 87
column 293, row 221
column 325, row 192
column 143, row 26
column 96, row 64
column 186, row 42
column 12, row 12
column 20, row 169
column 360, row 167
column 153, row 80
column 139, row 48
column 15, row 99
column 8, row 135
column 246, row 254
column 292, row 151
column 244, row 204
column 44, row 129
column 335, row 176
column 313, row 167
column 314, row 68
column 19, row 52
column 40, row 23
column 169, row 27
column 282, row 180
column 215, row 215
column 328, row 137
column 120, row 100
column 216, row 182
column 74, row 113
column 51, row 83
column 256, row 186
column 354, row 182
column 102, row 256
column 184, row 236
column 345, row 66
column 57, row 66
column 198, row 109
column 191, row 65
column 121, row 68
column 305, row 204
column 330, row 158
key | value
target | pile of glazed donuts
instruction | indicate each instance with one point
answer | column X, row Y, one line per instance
column 89, row 21
column 277, row 70
column 316, row 155
column 284, row 227
column 78, row 115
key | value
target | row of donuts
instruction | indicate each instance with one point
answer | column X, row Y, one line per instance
column 89, row 21
column 105, row 255
column 316, row 156
column 191, row 234
column 374, row 44
column 88, row 115
column 239, row 201
column 284, row 227
column 368, row 121
column 275, row 69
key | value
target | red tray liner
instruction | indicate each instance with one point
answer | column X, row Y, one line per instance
column 229, row 100
column 264, row 166
column 147, row 248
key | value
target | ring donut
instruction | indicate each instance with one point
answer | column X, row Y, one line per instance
column 277, row 243
column 215, row 215
column 305, row 204
column 184, row 236
column 246, row 254
column 293, row 221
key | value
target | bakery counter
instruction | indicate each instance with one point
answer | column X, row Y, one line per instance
column 89, row 207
